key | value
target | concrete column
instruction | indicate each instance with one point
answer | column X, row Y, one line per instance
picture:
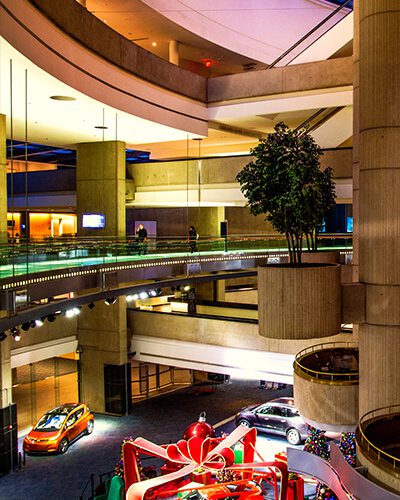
column 379, row 236
column 211, row 290
column 3, row 181
column 100, row 186
column 206, row 220
column 174, row 52
column 102, row 340
column 5, row 373
column 356, row 140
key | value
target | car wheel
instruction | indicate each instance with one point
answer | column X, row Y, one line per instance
column 244, row 423
column 293, row 436
column 63, row 446
column 89, row 427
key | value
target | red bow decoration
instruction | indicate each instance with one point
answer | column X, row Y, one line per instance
column 198, row 451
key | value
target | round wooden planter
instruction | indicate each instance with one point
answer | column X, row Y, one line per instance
column 299, row 302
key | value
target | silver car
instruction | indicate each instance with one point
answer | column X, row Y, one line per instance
column 278, row 416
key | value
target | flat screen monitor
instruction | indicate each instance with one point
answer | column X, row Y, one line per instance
column 94, row 221
column 349, row 225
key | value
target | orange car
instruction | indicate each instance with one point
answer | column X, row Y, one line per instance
column 238, row 490
column 57, row 428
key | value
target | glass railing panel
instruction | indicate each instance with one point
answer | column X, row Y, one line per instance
column 36, row 256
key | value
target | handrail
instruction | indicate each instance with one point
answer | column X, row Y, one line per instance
column 325, row 375
column 382, row 457
column 34, row 256
column 304, row 37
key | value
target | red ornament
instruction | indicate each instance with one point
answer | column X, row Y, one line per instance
column 199, row 429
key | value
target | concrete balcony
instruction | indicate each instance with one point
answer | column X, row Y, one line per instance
column 378, row 446
column 326, row 386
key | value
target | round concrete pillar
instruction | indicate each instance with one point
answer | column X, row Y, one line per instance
column 379, row 182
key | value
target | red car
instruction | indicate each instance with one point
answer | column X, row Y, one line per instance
column 57, row 428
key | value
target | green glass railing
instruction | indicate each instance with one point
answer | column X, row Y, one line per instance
column 33, row 256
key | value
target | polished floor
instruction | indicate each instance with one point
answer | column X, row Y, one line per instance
column 161, row 419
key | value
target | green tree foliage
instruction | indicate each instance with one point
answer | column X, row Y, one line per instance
column 286, row 184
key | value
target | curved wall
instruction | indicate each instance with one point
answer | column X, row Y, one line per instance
column 299, row 302
column 120, row 83
column 330, row 406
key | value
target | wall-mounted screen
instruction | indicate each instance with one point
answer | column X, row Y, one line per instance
column 349, row 225
column 94, row 221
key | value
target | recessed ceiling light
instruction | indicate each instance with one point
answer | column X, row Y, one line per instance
column 154, row 44
column 62, row 98
column 101, row 127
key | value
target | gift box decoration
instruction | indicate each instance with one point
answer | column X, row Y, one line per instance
column 238, row 452
column 201, row 476
column 295, row 489
column 281, row 457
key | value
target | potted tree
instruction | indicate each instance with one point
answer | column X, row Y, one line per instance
column 285, row 183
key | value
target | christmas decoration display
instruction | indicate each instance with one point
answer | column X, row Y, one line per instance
column 199, row 429
column 348, row 447
column 316, row 444
column 202, row 459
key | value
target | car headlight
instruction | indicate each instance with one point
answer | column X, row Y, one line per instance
column 52, row 439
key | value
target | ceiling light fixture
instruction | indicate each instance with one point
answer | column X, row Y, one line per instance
column 92, row 305
column 51, row 317
column 110, row 301
column 25, row 326
column 62, row 98
column 16, row 335
column 143, row 295
column 3, row 336
column 38, row 322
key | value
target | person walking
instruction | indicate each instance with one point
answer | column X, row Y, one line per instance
column 141, row 238
column 193, row 237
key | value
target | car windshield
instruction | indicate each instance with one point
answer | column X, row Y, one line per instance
column 50, row 422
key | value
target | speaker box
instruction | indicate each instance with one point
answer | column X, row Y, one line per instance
column 8, row 438
column 117, row 388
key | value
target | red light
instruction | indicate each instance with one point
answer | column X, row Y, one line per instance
column 208, row 64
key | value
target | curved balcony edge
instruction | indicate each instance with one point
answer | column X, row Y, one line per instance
column 325, row 377
column 84, row 27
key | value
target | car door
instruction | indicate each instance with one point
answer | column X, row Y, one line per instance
column 71, row 426
column 81, row 420
column 269, row 418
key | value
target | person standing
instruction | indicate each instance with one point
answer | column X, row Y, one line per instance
column 141, row 238
column 193, row 237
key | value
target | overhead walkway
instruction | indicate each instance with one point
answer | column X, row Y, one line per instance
column 100, row 268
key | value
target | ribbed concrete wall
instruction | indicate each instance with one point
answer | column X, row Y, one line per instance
column 299, row 302
column 214, row 332
column 334, row 406
column 309, row 76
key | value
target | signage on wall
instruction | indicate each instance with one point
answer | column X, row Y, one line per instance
column 94, row 221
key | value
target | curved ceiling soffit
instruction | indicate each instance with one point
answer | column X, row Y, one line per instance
column 38, row 39
column 242, row 28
